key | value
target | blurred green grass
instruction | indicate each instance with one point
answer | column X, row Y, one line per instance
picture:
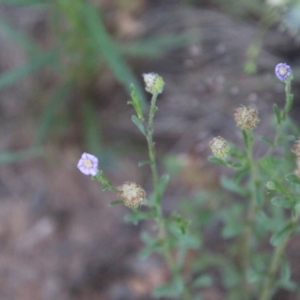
column 82, row 38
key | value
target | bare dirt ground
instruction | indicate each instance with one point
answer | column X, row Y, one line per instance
column 59, row 239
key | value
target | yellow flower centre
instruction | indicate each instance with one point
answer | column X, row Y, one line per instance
column 88, row 163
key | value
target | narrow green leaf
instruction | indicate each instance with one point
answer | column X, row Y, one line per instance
column 282, row 234
column 277, row 113
column 292, row 178
column 144, row 162
column 48, row 114
column 282, row 202
column 163, row 182
column 136, row 215
column 139, row 124
column 115, row 202
column 109, row 50
column 136, row 102
column 266, row 140
column 216, row 160
column 15, row 156
column 285, row 272
column 203, row 281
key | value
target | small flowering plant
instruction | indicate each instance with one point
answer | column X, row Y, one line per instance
column 259, row 210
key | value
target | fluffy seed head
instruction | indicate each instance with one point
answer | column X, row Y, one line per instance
column 219, row 147
column 246, row 117
column 132, row 194
column 283, row 71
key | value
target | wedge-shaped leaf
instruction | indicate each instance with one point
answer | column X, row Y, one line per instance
column 139, row 124
column 292, row 178
column 203, row 281
column 173, row 289
column 233, row 186
column 282, row 234
column 282, row 202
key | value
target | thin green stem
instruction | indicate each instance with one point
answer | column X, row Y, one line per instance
column 267, row 285
column 151, row 147
column 246, row 243
column 160, row 221
column 283, row 118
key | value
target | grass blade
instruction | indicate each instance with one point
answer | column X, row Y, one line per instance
column 110, row 51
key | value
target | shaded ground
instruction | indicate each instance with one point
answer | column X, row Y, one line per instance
column 59, row 238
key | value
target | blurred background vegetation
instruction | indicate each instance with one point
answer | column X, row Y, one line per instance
column 79, row 43
column 65, row 71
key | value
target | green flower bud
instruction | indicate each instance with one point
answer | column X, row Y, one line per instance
column 154, row 84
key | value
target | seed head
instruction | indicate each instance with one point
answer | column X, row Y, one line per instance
column 246, row 117
column 154, row 84
column 283, row 71
column 132, row 194
column 219, row 147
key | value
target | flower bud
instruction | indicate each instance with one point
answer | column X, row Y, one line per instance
column 154, row 84
column 219, row 147
column 132, row 194
column 246, row 117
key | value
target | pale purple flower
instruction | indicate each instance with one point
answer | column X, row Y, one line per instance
column 283, row 71
column 88, row 164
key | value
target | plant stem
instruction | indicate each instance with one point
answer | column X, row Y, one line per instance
column 287, row 107
column 151, row 148
column 267, row 285
column 160, row 221
column 250, row 216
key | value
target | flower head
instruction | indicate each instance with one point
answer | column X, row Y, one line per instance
column 283, row 71
column 219, row 147
column 154, row 83
column 88, row 164
column 246, row 117
column 131, row 193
